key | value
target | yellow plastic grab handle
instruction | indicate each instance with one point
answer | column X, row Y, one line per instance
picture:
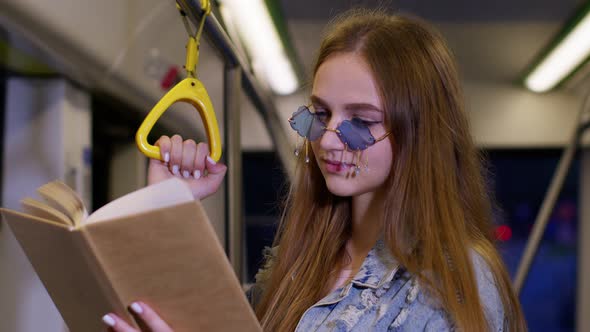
column 189, row 90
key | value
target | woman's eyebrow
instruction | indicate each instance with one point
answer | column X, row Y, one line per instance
column 362, row 106
column 350, row 107
column 317, row 100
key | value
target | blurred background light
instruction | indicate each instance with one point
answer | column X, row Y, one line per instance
column 261, row 40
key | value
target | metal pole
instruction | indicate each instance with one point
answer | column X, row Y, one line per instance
column 544, row 213
column 550, row 198
column 233, row 191
column 3, row 87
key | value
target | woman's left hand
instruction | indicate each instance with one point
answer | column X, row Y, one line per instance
column 145, row 317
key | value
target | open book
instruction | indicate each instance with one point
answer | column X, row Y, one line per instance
column 155, row 245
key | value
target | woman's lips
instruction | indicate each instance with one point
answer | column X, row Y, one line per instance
column 335, row 166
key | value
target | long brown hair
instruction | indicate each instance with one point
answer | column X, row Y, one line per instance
column 437, row 206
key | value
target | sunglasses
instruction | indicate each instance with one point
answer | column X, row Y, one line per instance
column 353, row 133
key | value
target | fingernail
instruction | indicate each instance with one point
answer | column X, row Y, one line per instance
column 175, row 170
column 108, row 320
column 136, row 308
column 197, row 174
column 166, row 157
column 186, row 174
column 211, row 160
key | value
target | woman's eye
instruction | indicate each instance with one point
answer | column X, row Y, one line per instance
column 321, row 114
column 367, row 123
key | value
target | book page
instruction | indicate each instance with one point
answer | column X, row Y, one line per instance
column 60, row 196
column 44, row 211
column 163, row 194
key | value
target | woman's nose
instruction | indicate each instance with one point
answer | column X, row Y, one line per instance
column 330, row 140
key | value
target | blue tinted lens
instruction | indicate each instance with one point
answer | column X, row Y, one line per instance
column 306, row 124
column 355, row 134
column 318, row 128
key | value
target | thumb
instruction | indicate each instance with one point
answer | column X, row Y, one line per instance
column 215, row 168
column 211, row 182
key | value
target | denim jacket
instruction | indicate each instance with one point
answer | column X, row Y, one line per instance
column 384, row 297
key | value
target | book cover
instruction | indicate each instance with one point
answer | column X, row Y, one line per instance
column 155, row 245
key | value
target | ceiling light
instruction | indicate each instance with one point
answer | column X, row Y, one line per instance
column 263, row 43
column 569, row 53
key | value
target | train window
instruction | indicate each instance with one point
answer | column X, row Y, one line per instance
column 520, row 179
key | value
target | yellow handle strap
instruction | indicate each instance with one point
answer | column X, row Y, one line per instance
column 192, row 47
column 189, row 90
column 192, row 91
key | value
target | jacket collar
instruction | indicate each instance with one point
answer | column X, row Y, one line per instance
column 378, row 267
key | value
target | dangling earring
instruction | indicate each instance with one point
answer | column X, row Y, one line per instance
column 306, row 151
column 297, row 147
column 357, row 167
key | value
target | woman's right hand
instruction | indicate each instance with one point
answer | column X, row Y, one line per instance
column 189, row 161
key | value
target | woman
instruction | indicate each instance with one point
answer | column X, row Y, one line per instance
column 388, row 223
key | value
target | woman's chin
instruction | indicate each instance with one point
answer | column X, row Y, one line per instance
column 338, row 188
